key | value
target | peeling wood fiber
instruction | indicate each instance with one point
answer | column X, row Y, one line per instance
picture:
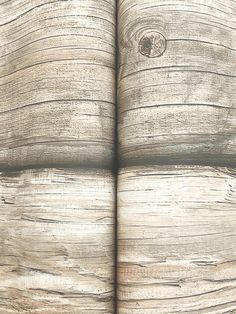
column 177, row 241
column 177, row 115
column 57, row 241
column 176, row 94
column 57, row 117
column 57, row 82
column 177, row 97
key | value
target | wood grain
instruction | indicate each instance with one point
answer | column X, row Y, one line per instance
column 57, row 82
column 177, row 241
column 177, row 103
column 57, row 241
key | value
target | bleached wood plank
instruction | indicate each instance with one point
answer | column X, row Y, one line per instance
column 57, row 82
column 56, row 241
column 177, row 241
column 177, row 81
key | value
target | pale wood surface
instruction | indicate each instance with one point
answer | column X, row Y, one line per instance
column 177, row 224
column 57, row 82
column 56, row 243
column 177, row 241
column 179, row 105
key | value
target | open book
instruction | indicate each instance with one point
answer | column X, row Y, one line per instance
column 117, row 156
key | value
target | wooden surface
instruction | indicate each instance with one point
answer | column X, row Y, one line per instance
column 57, row 242
column 177, row 81
column 176, row 93
column 57, row 82
column 177, row 241
column 57, row 108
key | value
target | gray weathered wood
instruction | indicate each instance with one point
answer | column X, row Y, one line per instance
column 56, row 242
column 57, row 107
column 177, row 81
column 177, row 240
column 57, row 82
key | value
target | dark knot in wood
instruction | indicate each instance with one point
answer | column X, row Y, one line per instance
column 152, row 45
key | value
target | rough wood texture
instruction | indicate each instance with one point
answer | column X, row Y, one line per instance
column 177, row 241
column 57, row 82
column 56, row 242
column 177, row 81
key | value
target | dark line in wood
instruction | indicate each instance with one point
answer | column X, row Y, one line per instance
column 57, row 100
column 180, row 70
column 32, row 9
column 56, row 60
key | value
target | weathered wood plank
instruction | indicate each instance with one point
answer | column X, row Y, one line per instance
column 57, row 82
column 177, row 241
column 177, row 81
column 56, row 241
